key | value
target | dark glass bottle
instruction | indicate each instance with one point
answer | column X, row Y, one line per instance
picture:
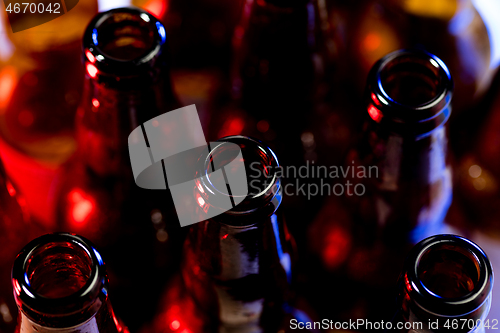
column 41, row 83
column 453, row 30
column 60, row 284
column 283, row 74
column 237, row 266
column 280, row 55
column 15, row 231
column 395, row 188
column 127, row 83
column 445, row 285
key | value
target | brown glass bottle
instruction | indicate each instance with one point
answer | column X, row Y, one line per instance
column 397, row 189
column 16, row 230
column 445, row 285
column 280, row 54
column 283, row 71
column 237, row 266
column 127, row 83
column 42, row 82
column 453, row 30
column 60, row 284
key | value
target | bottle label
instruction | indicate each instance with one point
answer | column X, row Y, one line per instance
column 28, row 326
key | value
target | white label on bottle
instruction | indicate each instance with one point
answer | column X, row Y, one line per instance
column 28, row 326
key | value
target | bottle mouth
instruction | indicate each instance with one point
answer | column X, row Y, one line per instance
column 263, row 190
column 448, row 275
column 122, row 40
column 59, row 275
column 410, row 89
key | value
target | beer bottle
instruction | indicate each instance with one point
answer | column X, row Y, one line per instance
column 281, row 51
column 395, row 187
column 445, row 285
column 60, row 284
column 283, row 74
column 237, row 266
column 455, row 31
column 127, row 82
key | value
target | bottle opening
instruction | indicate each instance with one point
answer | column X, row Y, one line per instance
column 58, row 270
column 448, row 275
column 245, row 173
column 257, row 163
column 412, row 81
column 449, row 271
column 59, row 275
column 125, row 36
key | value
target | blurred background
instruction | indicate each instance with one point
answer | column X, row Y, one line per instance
column 308, row 73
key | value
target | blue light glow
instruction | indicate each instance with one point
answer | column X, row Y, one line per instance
column 94, row 36
column 161, row 31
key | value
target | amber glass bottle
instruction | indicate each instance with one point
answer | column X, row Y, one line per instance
column 445, row 286
column 127, row 83
column 451, row 29
column 281, row 53
column 41, row 82
column 395, row 188
column 60, row 285
column 237, row 266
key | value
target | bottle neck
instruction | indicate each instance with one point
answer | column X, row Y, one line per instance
column 251, row 270
column 127, row 83
column 239, row 262
column 408, row 104
column 108, row 114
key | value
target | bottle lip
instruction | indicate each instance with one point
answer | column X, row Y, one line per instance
column 36, row 306
column 443, row 306
column 418, row 119
column 266, row 201
column 98, row 63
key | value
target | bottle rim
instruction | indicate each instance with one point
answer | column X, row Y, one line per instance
column 80, row 303
column 267, row 200
column 99, row 63
column 444, row 306
column 417, row 117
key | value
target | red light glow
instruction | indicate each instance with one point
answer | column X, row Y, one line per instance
column 81, row 206
column 92, row 70
column 157, row 7
column 375, row 113
column 95, row 103
column 372, row 41
column 17, row 287
column 10, row 188
column 8, row 79
column 174, row 325
column 337, row 247
column 90, row 56
column 232, row 126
